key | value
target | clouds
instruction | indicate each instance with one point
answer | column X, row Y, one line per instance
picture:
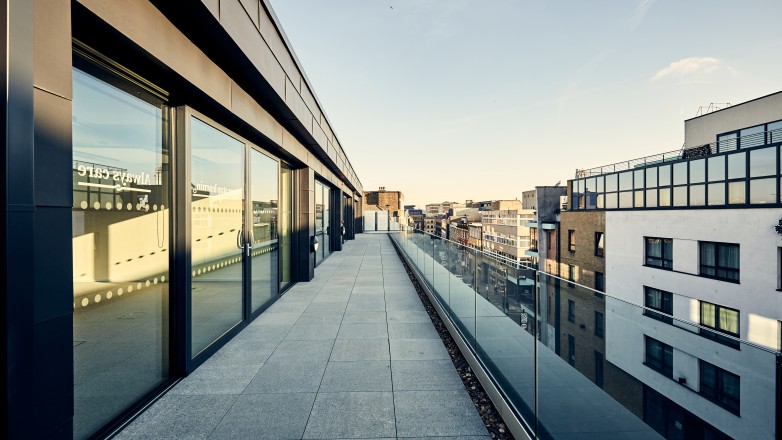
column 640, row 12
column 693, row 67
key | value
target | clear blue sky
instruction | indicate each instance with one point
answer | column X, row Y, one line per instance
column 458, row 99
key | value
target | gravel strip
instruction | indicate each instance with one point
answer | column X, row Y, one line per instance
column 491, row 417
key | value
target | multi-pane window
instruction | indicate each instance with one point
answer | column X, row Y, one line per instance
column 720, row 386
column 599, row 325
column 659, row 252
column 723, row 320
column 599, row 244
column 719, row 260
column 571, row 240
column 658, row 300
column 571, row 310
column 659, row 356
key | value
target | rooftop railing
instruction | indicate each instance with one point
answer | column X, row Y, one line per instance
column 729, row 144
column 568, row 361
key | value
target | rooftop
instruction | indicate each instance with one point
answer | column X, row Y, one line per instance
column 351, row 354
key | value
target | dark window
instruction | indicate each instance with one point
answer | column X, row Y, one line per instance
column 571, row 274
column 722, row 319
column 599, row 325
column 720, row 261
column 659, row 357
column 571, row 349
column 599, row 369
column 600, row 281
column 571, row 310
column 658, row 300
column 720, row 386
column 571, row 240
column 659, row 252
column 599, row 244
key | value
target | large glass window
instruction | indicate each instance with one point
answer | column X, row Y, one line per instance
column 716, row 194
column 121, row 243
column 752, row 136
column 680, row 173
column 720, row 386
column 659, row 252
column 737, row 193
column 763, row 162
column 665, row 175
column 774, row 132
column 763, row 191
column 723, row 320
column 625, row 180
column 611, row 182
column 651, row 177
column 698, row 171
column 716, row 168
column 322, row 216
column 737, row 165
column 217, row 233
column 659, row 356
column 719, row 260
column 697, row 195
column 727, row 142
column 264, row 238
column 660, row 300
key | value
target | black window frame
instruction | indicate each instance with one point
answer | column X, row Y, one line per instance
column 716, row 392
column 717, row 268
column 659, row 365
column 664, row 261
column 599, row 250
column 717, row 333
column 666, row 298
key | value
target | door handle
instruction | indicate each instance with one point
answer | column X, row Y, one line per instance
column 239, row 239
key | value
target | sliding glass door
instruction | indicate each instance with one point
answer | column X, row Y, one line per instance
column 217, row 237
column 264, row 237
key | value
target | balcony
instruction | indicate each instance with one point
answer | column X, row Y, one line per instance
column 351, row 354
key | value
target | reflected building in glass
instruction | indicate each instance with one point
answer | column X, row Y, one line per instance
column 690, row 235
column 168, row 186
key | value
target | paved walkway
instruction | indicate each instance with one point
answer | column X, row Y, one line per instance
column 351, row 354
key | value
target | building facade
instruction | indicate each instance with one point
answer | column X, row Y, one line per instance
column 391, row 201
column 692, row 238
column 169, row 171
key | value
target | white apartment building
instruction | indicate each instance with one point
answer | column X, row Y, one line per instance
column 506, row 235
column 691, row 238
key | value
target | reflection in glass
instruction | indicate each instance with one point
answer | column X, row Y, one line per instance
column 763, row 162
column 611, row 201
column 651, row 198
column 665, row 197
column 665, row 175
column 625, row 180
column 651, row 177
column 286, row 224
column 121, row 240
column 319, row 221
column 611, row 182
column 774, row 132
column 727, row 142
column 265, row 243
column 763, row 191
column 638, row 179
column 626, row 199
column 737, row 165
column 638, row 199
column 736, row 193
column 698, row 171
column 752, row 136
column 697, row 195
column 325, row 244
column 680, row 196
column 716, row 168
column 716, row 194
column 217, row 236
column 680, row 173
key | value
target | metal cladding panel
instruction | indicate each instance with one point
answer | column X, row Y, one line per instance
column 52, row 47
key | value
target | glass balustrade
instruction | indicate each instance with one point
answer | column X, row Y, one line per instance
column 574, row 362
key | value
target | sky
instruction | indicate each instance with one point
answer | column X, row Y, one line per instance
column 462, row 99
